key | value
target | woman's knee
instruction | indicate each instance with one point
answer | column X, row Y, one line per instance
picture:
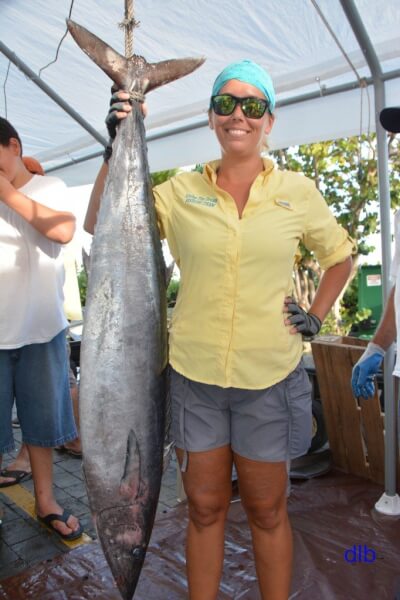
column 267, row 517
column 205, row 512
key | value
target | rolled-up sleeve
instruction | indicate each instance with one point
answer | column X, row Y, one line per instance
column 323, row 235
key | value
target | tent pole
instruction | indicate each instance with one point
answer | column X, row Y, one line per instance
column 47, row 90
column 389, row 503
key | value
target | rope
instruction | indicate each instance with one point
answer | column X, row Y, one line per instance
column 4, row 88
column 343, row 51
column 137, row 96
column 60, row 42
column 129, row 23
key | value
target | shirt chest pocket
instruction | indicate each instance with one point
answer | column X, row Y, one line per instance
column 286, row 220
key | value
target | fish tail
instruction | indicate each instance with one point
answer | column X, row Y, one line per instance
column 113, row 64
column 163, row 72
column 130, row 73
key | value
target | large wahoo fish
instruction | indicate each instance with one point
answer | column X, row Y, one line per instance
column 124, row 346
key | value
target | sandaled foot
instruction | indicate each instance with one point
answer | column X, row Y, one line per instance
column 10, row 477
column 70, row 451
column 73, row 449
column 51, row 521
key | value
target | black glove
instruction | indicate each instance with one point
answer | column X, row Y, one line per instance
column 306, row 323
column 107, row 152
column 112, row 121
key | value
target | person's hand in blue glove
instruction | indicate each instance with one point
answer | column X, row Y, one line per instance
column 364, row 371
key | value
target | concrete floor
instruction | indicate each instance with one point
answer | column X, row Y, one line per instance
column 24, row 542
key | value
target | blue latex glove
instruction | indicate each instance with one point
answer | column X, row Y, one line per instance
column 364, row 371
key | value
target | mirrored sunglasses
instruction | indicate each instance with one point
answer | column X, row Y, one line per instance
column 225, row 104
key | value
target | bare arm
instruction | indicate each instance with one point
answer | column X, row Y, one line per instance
column 331, row 284
column 94, row 202
column 58, row 226
column 385, row 335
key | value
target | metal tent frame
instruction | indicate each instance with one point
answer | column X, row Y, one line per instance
column 390, row 501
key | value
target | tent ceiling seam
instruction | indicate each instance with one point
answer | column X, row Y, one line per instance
column 337, row 42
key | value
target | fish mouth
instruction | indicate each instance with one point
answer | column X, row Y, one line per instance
column 124, row 544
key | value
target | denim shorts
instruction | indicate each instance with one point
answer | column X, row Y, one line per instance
column 271, row 425
column 36, row 377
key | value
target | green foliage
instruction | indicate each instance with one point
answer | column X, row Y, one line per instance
column 82, row 283
column 161, row 176
column 349, row 304
column 172, row 291
column 345, row 172
column 349, row 313
column 331, row 326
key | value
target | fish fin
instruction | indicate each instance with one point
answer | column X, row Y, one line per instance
column 130, row 481
column 113, row 64
column 165, row 71
column 125, row 71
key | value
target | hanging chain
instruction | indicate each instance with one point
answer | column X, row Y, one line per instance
column 129, row 23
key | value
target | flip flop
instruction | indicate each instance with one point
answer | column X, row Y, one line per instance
column 47, row 521
column 74, row 453
column 65, row 450
column 18, row 476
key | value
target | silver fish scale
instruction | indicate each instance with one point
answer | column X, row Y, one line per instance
column 123, row 357
column 125, row 337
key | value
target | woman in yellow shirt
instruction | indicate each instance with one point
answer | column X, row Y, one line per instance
column 239, row 392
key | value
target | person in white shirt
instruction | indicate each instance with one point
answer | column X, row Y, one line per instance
column 34, row 224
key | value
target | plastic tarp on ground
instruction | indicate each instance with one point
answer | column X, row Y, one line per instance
column 288, row 37
column 332, row 519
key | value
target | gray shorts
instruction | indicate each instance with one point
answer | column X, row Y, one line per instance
column 271, row 425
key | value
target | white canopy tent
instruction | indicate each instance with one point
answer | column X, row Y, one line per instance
column 335, row 64
column 288, row 37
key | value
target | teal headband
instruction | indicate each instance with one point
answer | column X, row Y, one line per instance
column 248, row 72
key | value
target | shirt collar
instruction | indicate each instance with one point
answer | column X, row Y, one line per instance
column 211, row 168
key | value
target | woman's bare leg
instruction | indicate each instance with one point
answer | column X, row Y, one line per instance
column 263, row 491
column 207, row 483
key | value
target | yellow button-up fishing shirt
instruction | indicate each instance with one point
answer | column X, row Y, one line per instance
column 228, row 326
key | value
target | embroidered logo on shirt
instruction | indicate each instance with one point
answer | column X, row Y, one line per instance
column 203, row 200
column 283, row 203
